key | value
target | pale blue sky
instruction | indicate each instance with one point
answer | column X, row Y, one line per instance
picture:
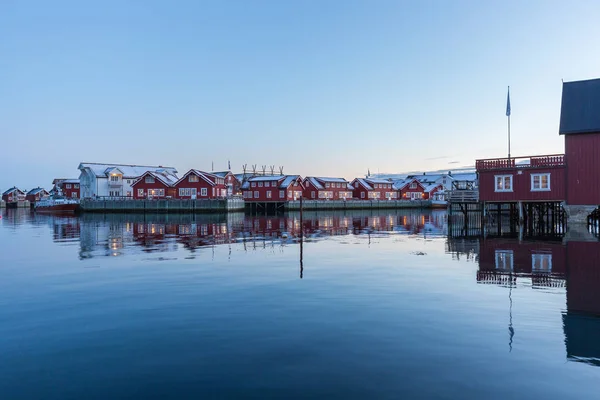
column 321, row 87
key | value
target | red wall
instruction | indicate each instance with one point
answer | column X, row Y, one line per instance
column 12, row 197
column 73, row 192
column 309, row 189
column 521, row 254
column 141, row 184
column 35, row 197
column 583, row 277
column 522, row 185
column 582, row 153
column 262, row 192
column 199, row 185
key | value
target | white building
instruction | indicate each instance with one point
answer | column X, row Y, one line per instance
column 114, row 180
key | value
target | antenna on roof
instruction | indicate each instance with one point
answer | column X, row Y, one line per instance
column 244, row 169
column 264, row 170
column 272, row 170
column 281, row 170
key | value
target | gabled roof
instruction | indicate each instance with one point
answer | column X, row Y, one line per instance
column 36, row 191
column 363, row 183
column 289, row 179
column 318, row 181
column 201, row 174
column 431, row 186
column 286, row 180
column 221, row 174
column 402, row 184
column 580, row 108
column 12, row 189
column 167, row 180
column 128, row 171
column 373, row 181
column 65, row 180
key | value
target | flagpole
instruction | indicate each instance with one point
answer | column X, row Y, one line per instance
column 508, row 115
column 509, row 137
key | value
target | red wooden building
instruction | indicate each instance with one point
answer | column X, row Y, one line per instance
column 35, row 195
column 13, row 195
column 232, row 184
column 319, row 188
column 66, row 187
column 273, row 189
column 153, row 185
column 530, row 179
column 580, row 126
column 197, row 184
column 373, row 189
column 415, row 189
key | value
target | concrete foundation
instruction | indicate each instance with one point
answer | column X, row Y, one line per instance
column 578, row 214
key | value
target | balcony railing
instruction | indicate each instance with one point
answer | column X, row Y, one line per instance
column 546, row 161
column 115, row 183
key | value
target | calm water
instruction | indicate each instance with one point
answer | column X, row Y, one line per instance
column 367, row 306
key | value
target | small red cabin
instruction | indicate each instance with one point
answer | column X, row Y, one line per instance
column 35, row 195
column 277, row 189
column 153, row 185
column 373, row 189
column 200, row 185
column 318, row 188
column 13, row 195
column 535, row 178
column 414, row 189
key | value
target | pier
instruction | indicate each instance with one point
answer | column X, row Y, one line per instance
column 163, row 206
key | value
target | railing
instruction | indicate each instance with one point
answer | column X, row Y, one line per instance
column 463, row 196
column 115, row 183
column 548, row 161
column 463, row 185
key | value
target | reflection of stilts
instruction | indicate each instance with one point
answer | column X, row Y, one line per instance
column 301, row 241
column 511, row 331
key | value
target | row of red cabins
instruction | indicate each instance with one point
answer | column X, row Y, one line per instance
column 197, row 184
column 67, row 187
column 572, row 178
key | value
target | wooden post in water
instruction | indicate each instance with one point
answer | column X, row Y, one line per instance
column 301, row 240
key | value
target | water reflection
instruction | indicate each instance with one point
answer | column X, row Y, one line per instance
column 557, row 267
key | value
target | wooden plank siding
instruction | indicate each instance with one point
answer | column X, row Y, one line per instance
column 583, row 168
column 521, row 181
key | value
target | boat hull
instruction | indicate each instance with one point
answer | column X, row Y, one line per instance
column 58, row 208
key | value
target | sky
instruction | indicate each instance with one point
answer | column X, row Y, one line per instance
column 322, row 88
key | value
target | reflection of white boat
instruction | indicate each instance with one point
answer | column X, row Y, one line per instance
column 57, row 204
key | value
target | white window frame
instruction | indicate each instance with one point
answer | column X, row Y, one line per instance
column 268, row 194
column 193, row 178
column 148, row 179
column 253, row 184
column 256, row 196
column 504, row 260
column 68, row 186
column 538, row 260
column 312, row 194
column 282, row 194
column 267, row 184
column 504, row 189
column 203, row 192
column 540, row 189
column 362, row 195
column 413, row 185
column 260, row 184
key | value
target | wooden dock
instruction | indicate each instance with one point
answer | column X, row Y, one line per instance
column 163, row 206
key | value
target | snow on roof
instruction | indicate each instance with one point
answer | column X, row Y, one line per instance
column 364, row 183
column 289, row 179
column 464, row 177
column 337, row 180
column 221, row 174
column 262, row 178
column 128, row 171
column 65, row 180
column 377, row 180
column 429, row 187
column 168, row 180
column 349, row 186
column 200, row 174
column 36, row 191
column 12, row 189
column 315, row 182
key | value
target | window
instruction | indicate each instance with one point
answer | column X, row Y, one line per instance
column 327, row 184
column 260, row 184
column 76, row 186
column 281, row 194
column 253, row 184
column 193, row 178
column 267, row 184
column 68, row 186
column 141, row 192
column 504, row 260
column 312, row 194
column 413, row 185
column 204, row 192
column 541, row 262
column 149, row 179
column 74, row 194
column 503, row 183
column 256, row 194
column 128, row 182
column 540, row 182
column 129, row 193
column 290, row 194
column 268, row 194
column 362, row 195
column 114, row 178
column 213, row 192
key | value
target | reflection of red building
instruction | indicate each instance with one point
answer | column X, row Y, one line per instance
column 583, row 277
column 544, row 261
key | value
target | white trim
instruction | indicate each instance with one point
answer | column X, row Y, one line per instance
column 503, row 177
column 540, row 189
